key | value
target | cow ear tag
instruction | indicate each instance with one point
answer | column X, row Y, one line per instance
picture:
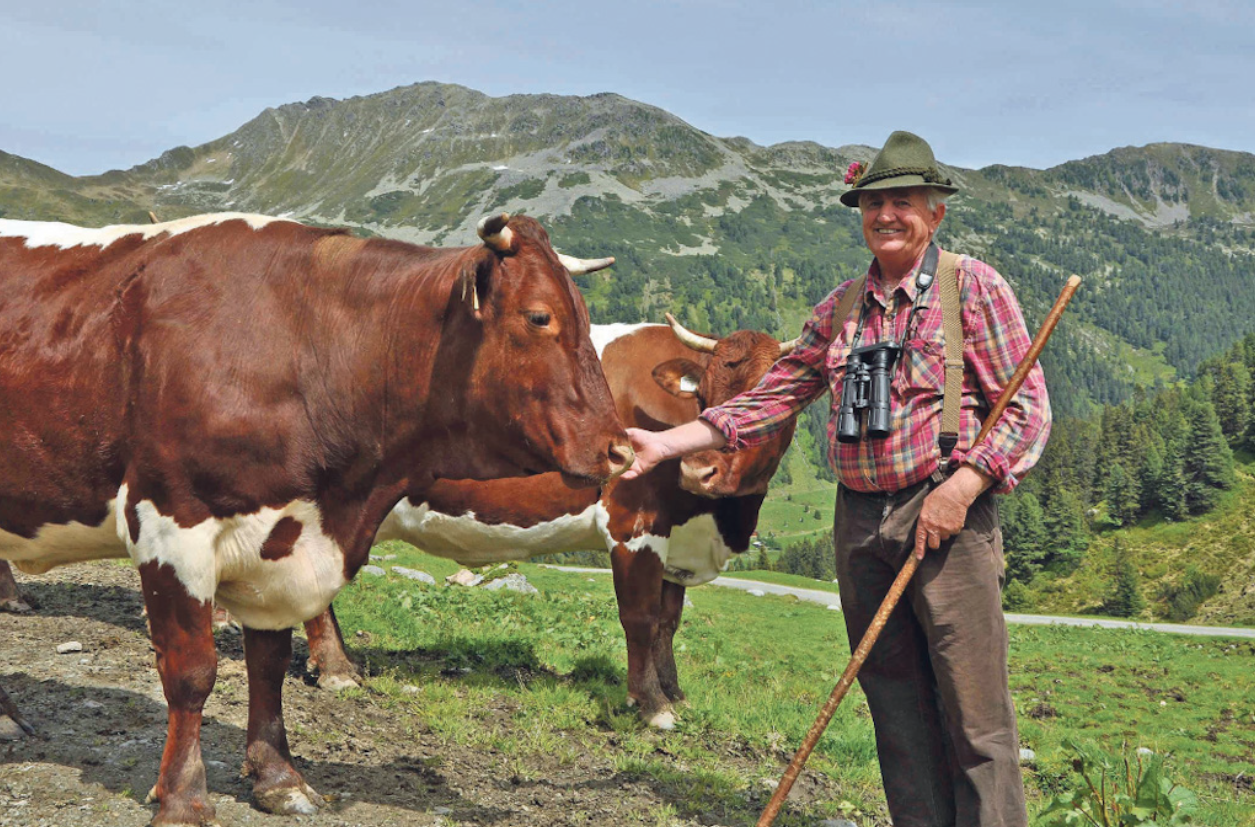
column 679, row 377
column 470, row 290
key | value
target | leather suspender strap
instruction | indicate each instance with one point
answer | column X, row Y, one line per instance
column 847, row 302
column 952, row 330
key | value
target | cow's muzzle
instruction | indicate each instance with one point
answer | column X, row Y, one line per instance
column 621, row 455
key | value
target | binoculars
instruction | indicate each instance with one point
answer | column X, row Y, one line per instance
column 868, row 377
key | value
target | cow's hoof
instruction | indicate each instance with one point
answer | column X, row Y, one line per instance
column 17, row 606
column 334, row 683
column 662, row 720
column 11, row 730
column 172, row 817
column 289, row 801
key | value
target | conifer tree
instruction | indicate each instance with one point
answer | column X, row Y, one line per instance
column 1121, row 495
column 1066, row 528
column 1023, row 535
column 1230, row 395
column 1125, row 598
column 1209, row 461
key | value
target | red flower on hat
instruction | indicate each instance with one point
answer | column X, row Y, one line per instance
column 854, row 172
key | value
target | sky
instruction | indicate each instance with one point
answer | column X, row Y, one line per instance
column 91, row 86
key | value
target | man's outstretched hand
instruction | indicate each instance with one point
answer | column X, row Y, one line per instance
column 653, row 447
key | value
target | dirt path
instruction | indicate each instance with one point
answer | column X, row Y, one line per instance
column 101, row 719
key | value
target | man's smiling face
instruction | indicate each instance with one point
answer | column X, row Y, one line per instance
column 897, row 226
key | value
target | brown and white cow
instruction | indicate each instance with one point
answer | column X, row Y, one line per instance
column 237, row 402
column 675, row 527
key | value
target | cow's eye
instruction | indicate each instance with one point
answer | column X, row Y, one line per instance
column 539, row 318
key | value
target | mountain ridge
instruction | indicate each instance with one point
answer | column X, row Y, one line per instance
column 738, row 233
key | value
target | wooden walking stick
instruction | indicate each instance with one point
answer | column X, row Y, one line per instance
column 907, row 572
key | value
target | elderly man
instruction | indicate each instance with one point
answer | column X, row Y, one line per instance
column 936, row 681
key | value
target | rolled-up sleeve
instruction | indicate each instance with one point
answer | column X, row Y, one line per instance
column 792, row 383
column 996, row 340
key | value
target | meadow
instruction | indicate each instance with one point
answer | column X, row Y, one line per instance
column 544, row 675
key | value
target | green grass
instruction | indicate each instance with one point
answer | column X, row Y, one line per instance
column 756, row 671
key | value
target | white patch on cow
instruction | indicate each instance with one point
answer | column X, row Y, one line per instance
column 56, row 234
column 694, row 554
column 56, row 545
column 603, row 334
column 221, row 559
column 472, row 543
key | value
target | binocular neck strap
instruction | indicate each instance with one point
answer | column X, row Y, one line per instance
column 944, row 266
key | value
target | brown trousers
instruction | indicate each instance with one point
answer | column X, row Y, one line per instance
column 936, row 680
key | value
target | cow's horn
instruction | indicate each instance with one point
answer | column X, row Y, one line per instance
column 493, row 230
column 581, row 266
column 787, row 347
column 698, row 343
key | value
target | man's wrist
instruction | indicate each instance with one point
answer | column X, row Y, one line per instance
column 969, row 482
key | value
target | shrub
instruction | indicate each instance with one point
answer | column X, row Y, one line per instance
column 1119, row 791
column 1016, row 597
column 1184, row 598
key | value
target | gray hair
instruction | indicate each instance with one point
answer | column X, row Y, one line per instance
column 935, row 197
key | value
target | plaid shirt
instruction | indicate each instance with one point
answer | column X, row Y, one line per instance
column 995, row 339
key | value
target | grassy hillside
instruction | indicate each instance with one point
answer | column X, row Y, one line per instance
column 1221, row 541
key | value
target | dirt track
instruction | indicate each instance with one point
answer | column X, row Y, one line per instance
column 101, row 720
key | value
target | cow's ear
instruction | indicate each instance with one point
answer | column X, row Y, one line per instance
column 679, row 377
column 476, row 281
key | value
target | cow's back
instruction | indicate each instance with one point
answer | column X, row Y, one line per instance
column 64, row 325
column 126, row 345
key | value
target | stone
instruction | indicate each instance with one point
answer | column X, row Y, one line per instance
column 465, row 577
column 414, row 574
column 69, row 646
column 756, row 592
column 374, row 571
column 1027, row 755
column 514, row 582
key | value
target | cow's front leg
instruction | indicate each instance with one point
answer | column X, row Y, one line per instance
column 638, row 587
column 182, row 635
column 277, row 785
column 11, row 598
column 327, row 653
column 664, row 643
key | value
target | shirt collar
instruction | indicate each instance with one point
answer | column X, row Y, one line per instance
column 876, row 288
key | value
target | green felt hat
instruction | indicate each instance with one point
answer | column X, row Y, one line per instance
column 906, row 160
